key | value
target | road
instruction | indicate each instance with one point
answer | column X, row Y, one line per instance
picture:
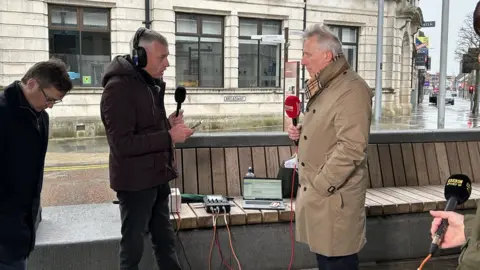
column 77, row 171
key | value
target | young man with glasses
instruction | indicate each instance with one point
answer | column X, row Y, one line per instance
column 23, row 146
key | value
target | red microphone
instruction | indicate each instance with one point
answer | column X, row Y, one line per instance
column 292, row 108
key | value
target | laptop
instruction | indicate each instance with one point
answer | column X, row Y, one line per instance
column 262, row 193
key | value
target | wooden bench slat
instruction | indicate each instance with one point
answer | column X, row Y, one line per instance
column 397, row 165
column 442, row 159
column 464, row 159
column 204, row 171
column 190, row 181
column 272, row 162
column 293, row 149
column 476, row 188
column 284, row 153
column 369, row 181
column 452, row 155
column 244, row 161
column 178, row 182
column 386, row 165
column 409, row 164
column 219, row 178
column 269, row 216
column 237, row 215
column 374, row 208
column 439, row 194
column 188, row 219
column 401, row 206
column 253, row 216
column 430, row 202
column 432, row 163
column 374, row 166
column 284, row 215
column 420, row 164
column 473, row 151
column 259, row 164
column 232, row 172
column 440, row 201
column 388, row 206
column 416, row 205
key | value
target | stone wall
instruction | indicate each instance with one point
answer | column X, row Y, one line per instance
column 26, row 43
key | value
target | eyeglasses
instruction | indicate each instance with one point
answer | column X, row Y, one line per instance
column 50, row 100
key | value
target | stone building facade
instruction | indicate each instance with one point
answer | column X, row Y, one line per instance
column 227, row 73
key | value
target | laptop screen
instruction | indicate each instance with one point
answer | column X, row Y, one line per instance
column 262, row 189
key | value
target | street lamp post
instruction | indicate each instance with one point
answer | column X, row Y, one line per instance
column 378, row 70
column 443, row 65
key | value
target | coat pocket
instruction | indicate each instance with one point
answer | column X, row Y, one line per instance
column 322, row 164
column 139, row 163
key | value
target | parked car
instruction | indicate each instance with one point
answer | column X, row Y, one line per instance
column 449, row 99
column 432, row 98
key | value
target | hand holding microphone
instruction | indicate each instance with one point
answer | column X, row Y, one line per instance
column 180, row 95
column 455, row 233
column 176, row 117
column 448, row 227
column 292, row 108
column 457, row 191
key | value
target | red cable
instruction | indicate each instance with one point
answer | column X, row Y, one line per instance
column 220, row 252
column 292, row 237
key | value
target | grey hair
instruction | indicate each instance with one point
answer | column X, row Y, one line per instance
column 325, row 37
column 148, row 37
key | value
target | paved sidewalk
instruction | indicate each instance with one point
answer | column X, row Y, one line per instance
column 56, row 159
column 443, row 263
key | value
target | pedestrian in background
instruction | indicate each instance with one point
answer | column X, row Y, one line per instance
column 24, row 126
column 141, row 140
column 330, row 206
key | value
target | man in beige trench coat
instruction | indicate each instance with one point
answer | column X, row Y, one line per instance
column 333, row 138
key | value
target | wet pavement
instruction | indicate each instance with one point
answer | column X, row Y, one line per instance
column 69, row 152
column 439, row 263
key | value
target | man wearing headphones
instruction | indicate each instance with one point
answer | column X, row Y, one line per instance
column 141, row 139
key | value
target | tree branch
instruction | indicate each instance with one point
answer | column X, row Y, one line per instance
column 467, row 38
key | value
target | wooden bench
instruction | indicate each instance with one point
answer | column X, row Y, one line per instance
column 407, row 170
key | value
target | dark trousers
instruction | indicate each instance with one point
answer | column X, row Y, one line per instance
column 141, row 211
column 349, row 262
column 20, row 265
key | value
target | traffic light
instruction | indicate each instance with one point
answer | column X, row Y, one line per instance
column 470, row 89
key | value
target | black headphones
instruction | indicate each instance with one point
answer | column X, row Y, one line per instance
column 139, row 55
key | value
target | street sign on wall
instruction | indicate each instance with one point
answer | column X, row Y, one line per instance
column 428, row 24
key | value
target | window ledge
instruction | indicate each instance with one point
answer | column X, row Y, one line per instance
column 203, row 11
column 83, row 3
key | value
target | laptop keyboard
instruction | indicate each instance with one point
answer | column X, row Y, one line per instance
column 258, row 202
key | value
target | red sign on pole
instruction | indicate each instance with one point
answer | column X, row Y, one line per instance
column 291, row 69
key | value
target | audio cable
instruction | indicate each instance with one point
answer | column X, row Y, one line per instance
column 178, row 224
column 214, row 222
column 215, row 214
column 220, row 253
column 292, row 212
column 424, row 262
column 230, row 238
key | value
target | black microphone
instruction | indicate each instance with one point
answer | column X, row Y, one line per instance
column 457, row 191
column 180, row 94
